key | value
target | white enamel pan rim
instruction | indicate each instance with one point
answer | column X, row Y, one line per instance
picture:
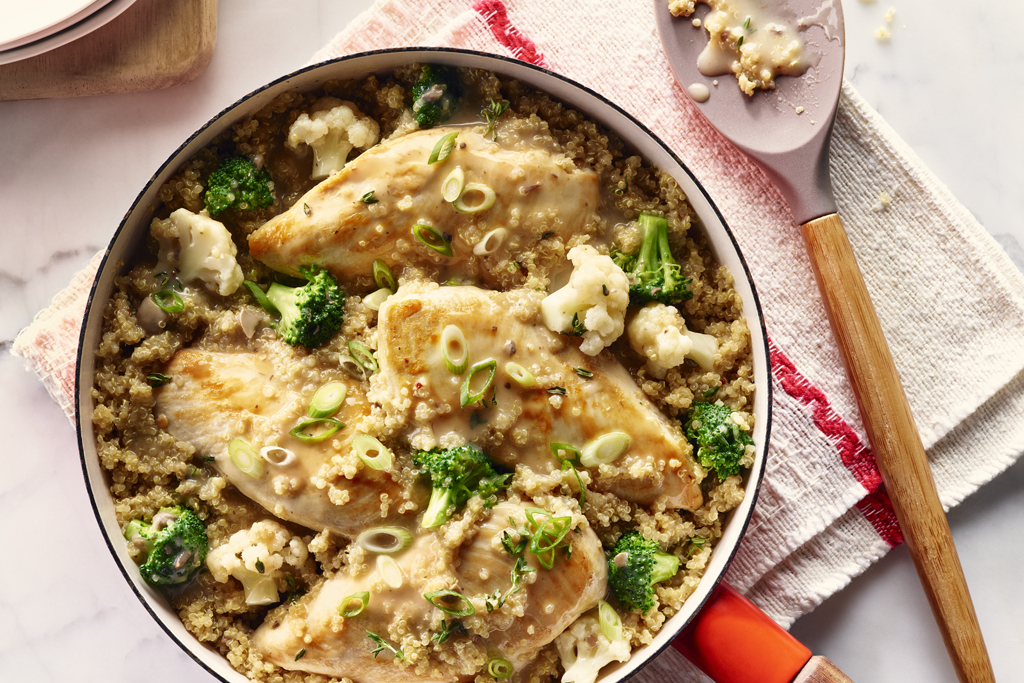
column 131, row 233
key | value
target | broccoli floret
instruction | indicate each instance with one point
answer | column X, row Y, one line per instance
column 435, row 95
column 174, row 543
column 635, row 566
column 653, row 273
column 719, row 440
column 236, row 184
column 312, row 313
column 456, row 474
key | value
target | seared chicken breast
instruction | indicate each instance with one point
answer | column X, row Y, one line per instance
column 367, row 211
column 517, row 424
column 553, row 600
column 479, row 569
column 259, row 396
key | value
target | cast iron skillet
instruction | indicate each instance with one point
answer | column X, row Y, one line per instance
column 130, row 236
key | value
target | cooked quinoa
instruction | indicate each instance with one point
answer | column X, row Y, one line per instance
column 148, row 468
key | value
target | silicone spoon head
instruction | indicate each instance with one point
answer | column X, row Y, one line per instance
column 786, row 129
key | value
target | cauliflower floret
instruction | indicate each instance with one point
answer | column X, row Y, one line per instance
column 584, row 650
column 333, row 129
column 659, row 333
column 255, row 557
column 595, row 299
column 200, row 248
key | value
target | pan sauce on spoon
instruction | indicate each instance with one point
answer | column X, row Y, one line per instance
column 749, row 40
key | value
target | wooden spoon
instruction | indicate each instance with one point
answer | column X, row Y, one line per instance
column 793, row 148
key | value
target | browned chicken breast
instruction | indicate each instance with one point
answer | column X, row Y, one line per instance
column 259, row 396
column 555, row 598
column 517, row 424
column 479, row 569
column 338, row 226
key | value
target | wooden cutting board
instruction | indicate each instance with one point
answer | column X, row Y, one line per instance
column 153, row 44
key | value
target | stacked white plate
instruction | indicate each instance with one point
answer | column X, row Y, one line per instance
column 28, row 29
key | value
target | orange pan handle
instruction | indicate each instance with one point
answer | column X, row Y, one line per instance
column 733, row 641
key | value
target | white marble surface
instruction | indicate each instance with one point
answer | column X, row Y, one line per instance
column 947, row 81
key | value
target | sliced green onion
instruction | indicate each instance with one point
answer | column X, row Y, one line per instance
column 491, row 242
column 348, row 612
column 604, row 449
column 559, row 527
column 443, row 148
column 373, row 453
column 567, row 464
column 374, row 300
column 564, row 451
column 385, row 540
column 383, row 277
column 584, row 373
column 611, row 623
column 245, row 458
column 330, row 427
column 451, row 188
column 454, row 349
column 521, row 375
column 327, row 399
column 362, row 355
column 368, row 198
column 349, row 365
column 500, row 668
column 261, row 297
column 300, row 654
column 390, row 571
column 467, row 397
column 432, row 238
column 434, row 596
column 486, row 202
column 275, row 455
column 547, row 536
column 168, row 301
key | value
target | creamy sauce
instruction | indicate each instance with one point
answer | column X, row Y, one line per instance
column 749, row 40
column 698, row 92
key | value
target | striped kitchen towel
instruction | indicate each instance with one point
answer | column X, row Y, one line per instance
column 823, row 515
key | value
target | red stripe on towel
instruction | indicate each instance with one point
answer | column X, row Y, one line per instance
column 495, row 15
column 857, row 457
column 877, row 507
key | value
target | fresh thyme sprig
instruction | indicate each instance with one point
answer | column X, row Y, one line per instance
column 491, row 113
column 382, row 645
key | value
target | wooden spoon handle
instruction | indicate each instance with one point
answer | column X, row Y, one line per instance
column 897, row 445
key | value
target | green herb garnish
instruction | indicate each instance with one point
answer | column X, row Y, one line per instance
column 491, row 114
column 443, row 148
column 382, row 645
column 157, row 379
column 435, row 598
column 168, row 301
column 447, row 629
column 431, row 237
column 578, row 328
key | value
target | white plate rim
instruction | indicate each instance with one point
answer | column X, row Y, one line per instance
column 97, row 18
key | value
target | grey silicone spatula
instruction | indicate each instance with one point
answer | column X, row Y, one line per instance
column 792, row 148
